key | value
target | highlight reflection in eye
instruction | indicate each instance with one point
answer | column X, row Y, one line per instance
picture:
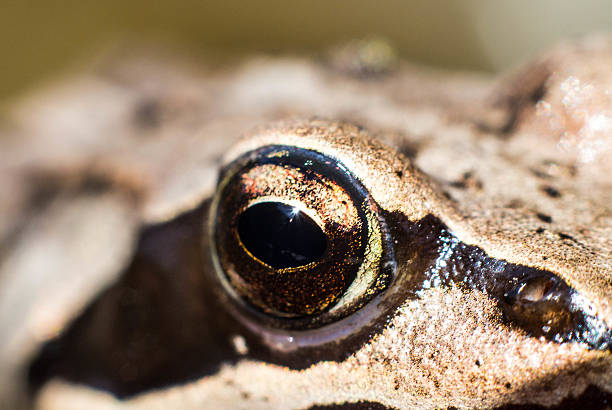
column 297, row 236
column 281, row 235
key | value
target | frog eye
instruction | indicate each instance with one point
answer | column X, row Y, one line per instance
column 297, row 237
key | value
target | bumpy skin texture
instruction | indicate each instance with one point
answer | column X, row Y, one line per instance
column 514, row 165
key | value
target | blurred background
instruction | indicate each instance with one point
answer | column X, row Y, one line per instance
column 39, row 39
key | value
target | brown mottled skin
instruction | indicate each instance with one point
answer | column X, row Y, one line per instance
column 98, row 169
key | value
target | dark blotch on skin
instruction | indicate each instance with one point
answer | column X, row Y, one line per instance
column 467, row 181
column 539, row 174
column 551, row 191
column 147, row 114
column 544, row 218
column 566, row 236
column 448, row 196
column 410, row 149
column 515, row 204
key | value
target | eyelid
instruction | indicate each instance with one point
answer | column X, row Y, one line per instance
column 372, row 162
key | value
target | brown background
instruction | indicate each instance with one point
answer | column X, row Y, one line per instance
column 42, row 38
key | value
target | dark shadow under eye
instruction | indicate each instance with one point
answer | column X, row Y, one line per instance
column 281, row 235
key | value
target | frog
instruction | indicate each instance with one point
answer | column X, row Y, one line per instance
column 309, row 233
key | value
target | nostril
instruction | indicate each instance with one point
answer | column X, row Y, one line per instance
column 540, row 304
column 536, row 289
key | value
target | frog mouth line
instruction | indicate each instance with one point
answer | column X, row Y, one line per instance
column 162, row 324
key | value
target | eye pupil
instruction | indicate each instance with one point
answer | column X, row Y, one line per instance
column 281, row 235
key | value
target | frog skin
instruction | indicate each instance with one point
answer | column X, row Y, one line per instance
column 110, row 289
